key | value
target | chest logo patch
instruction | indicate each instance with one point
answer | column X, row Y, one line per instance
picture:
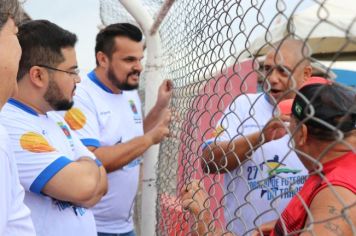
column 137, row 116
column 34, row 142
column 66, row 132
column 274, row 186
column 133, row 107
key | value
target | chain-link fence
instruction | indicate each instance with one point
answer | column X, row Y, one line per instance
column 235, row 65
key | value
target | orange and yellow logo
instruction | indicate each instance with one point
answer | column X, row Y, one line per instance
column 216, row 132
column 35, row 142
column 75, row 119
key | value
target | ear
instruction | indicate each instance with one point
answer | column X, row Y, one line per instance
column 102, row 59
column 302, row 135
column 308, row 71
column 38, row 76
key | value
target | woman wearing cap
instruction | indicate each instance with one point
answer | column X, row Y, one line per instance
column 323, row 127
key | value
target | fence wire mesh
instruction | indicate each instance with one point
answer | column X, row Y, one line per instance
column 112, row 11
column 235, row 65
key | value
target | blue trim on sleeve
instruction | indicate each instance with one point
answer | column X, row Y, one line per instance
column 22, row 106
column 206, row 144
column 98, row 162
column 47, row 174
column 90, row 142
column 92, row 76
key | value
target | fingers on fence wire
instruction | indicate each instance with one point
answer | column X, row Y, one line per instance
column 196, row 200
column 161, row 129
column 164, row 93
column 194, row 197
column 191, row 48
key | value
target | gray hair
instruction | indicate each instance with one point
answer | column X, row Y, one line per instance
column 10, row 8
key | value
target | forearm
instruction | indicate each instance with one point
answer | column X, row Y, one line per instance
column 100, row 191
column 117, row 156
column 76, row 183
column 226, row 156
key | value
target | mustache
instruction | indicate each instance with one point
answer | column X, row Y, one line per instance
column 134, row 72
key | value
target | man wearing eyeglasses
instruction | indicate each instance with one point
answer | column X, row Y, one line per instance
column 60, row 176
column 259, row 174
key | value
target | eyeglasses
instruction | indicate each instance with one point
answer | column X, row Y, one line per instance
column 75, row 72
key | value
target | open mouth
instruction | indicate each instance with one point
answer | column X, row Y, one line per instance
column 275, row 91
column 134, row 76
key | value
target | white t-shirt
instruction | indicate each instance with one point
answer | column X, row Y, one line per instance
column 102, row 118
column 43, row 145
column 15, row 219
column 251, row 191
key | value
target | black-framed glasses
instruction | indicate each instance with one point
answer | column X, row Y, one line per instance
column 75, row 72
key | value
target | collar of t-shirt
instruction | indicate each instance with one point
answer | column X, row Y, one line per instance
column 22, row 106
column 92, row 76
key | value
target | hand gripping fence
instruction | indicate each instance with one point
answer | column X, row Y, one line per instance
column 227, row 60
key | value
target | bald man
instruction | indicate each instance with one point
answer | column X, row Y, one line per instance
column 257, row 172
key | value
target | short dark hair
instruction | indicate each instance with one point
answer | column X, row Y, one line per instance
column 41, row 42
column 10, row 8
column 105, row 40
column 320, row 106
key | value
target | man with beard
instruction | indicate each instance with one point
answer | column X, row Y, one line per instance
column 60, row 176
column 107, row 116
column 15, row 217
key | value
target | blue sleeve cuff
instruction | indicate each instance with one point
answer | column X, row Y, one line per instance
column 98, row 162
column 90, row 142
column 47, row 174
column 206, row 144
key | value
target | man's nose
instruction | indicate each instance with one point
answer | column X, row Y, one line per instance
column 77, row 79
column 273, row 76
column 138, row 66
